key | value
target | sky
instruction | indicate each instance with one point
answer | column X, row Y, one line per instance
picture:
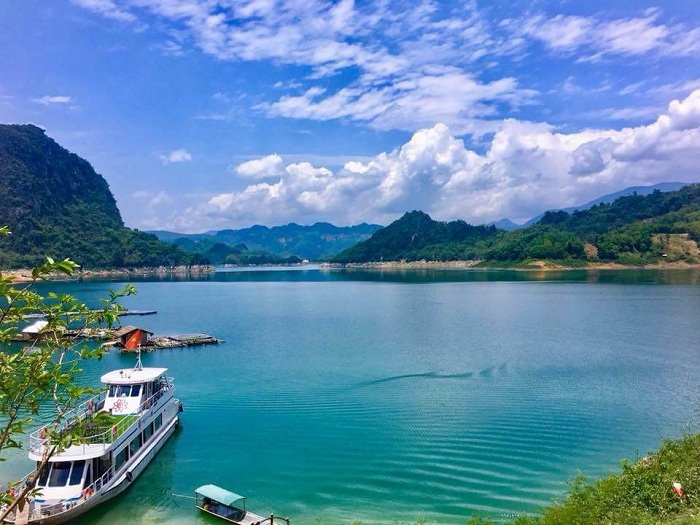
column 212, row 114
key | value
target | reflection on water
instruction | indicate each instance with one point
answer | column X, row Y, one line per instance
column 428, row 275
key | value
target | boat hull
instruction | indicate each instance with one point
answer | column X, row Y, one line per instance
column 117, row 486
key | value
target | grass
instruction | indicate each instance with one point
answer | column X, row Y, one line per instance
column 641, row 494
column 102, row 422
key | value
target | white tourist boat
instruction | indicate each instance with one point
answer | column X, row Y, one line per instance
column 123, row 428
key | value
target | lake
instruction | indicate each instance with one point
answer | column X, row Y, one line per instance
column 407, row 396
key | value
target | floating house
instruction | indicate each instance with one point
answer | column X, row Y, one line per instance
column 131, row 337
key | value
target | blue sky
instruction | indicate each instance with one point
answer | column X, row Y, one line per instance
column 211, row 114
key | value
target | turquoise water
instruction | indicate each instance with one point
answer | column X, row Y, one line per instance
column 384, row 396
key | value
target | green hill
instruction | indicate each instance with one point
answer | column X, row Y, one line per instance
column 416, row 236
column 56, row 204
column 635, row 229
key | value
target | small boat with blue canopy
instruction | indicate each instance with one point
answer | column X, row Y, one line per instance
column 229, row 506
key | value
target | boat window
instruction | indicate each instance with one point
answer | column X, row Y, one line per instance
column 148, row 432
column 119, row 390
column 135, row 390
column 44, row 476
column 159, row 421
column 59, row 474
column 76, row 475
column 135, row 445
column 88, row 476
column 121, row 458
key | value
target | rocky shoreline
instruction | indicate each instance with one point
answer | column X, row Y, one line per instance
column 531, row 266
column 25, row 275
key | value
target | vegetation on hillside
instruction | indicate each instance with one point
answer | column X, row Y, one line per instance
column 416, row 236
column 54, row 202
column 632, row 230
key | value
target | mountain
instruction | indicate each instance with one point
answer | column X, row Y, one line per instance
column 505, row 224
column 56, row 204
column 416, row 236
column 634, row 229
column 316, row 242
column 611, row 197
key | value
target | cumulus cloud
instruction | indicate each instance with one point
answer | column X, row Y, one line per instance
column 178, row 155
column 48, row 100
column 527, row 169
column 267, row 167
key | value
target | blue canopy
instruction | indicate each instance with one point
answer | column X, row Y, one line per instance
column 215, row 493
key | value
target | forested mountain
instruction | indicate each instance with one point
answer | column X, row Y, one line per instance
column 316, row 242
column 56, row 204
column 416, row 236
column 612, row 197
column 635, row 229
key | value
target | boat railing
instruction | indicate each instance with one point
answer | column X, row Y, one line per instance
column 152, row 401
column 38, row 438
column 97, row 485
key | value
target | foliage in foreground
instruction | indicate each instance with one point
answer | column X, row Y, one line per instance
column 641, row 494
column 44, row 372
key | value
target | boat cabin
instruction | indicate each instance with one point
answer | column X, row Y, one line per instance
column 131, row 391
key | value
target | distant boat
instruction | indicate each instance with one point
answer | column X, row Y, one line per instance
column 229, row 506
column 123, row 428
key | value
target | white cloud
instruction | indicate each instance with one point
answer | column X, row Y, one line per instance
column 527, row 169
column 178, row 155
column 623, row 36
column 443, row 94
column 48, row 100
column 106, row 8
column 267, row 167
column 404, row 68
column 162, row 198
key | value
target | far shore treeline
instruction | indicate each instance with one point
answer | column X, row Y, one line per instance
column 56, row 204
column 663, row 227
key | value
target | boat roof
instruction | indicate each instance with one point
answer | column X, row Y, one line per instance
column 132, row 376
column 224, row 496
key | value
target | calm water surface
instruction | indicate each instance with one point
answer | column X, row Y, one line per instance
column 384, row 396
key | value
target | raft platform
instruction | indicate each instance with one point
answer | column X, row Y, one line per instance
column 175, row 341
column 120, row 314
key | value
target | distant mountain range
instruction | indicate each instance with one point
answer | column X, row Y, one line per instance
column 316, row 242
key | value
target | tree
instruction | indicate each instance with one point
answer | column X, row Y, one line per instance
column 45, row 369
